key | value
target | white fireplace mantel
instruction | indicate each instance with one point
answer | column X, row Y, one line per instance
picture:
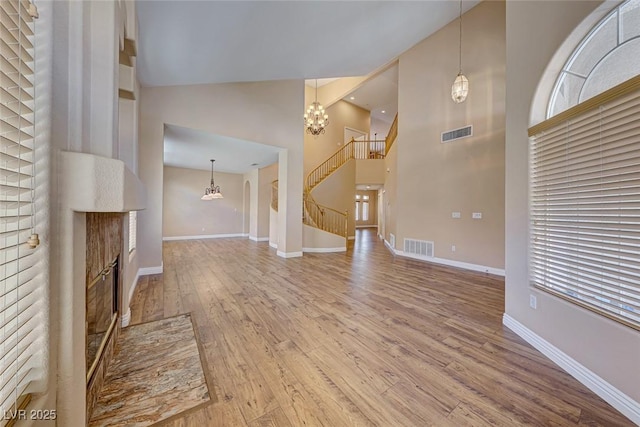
column 99, row 184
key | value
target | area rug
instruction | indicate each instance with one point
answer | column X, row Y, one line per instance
column 155, row 374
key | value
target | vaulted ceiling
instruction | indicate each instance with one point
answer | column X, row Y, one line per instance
column 192, row 42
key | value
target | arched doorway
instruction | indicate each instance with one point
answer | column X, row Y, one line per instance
column 246, row 208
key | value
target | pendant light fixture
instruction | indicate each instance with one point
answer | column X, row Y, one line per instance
column 315, row 119
column 213, row 191
column 460, row 87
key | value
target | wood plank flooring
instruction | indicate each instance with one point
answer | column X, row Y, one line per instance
column 356, row 339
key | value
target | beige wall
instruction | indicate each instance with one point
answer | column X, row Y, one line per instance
column 184, row 214
column 370, row 171
column 389, row 195
column 316, row 240
column 273, row 109
column 467, row 175
column 341, row 114
column 608, row 349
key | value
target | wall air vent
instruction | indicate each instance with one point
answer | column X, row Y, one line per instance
column 421, row 248
column 452, row 135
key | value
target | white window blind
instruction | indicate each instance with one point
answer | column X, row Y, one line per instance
column 585, row 206
column 21, row 294
column 133, row 230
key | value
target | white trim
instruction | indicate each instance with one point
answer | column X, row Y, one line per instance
column 623, row 403
column 289, row 254
column 388, row 245
column 204, row 236
column 449, row 262
column 273, row 245
column 145, row 271
column 367, row 226
column 324, row 250
column 352, row 237
column 258, row 239
column 126, row 318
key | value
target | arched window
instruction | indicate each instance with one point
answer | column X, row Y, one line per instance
column 606, row 57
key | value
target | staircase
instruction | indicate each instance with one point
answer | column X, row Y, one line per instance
column 323, row 217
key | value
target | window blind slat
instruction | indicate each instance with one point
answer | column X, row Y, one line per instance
column 585, row 209
column 10, row 38
column 12, row 74
column 14, row 109
column 20, row 19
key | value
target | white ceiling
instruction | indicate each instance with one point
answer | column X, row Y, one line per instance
column 190, row 42
column 206, row 41
column 193, row 149
column 378, row 94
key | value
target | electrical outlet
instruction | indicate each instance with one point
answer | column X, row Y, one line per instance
column 453, row 248
column 476, row 215
column 455, row 215
column 533, row 301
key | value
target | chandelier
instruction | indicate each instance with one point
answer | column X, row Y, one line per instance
column 315, row 119
column 213, row 191
column 460, row 87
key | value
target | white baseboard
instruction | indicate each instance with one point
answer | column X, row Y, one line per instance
column 352, row 237
column 366, row 226
column 324, row 250
column 145, row 271
column 258, row 239
column 126, row 318
column 289, row 254
column 623, row 403
column 204, row 236
column 448, row 262
column 273, row 245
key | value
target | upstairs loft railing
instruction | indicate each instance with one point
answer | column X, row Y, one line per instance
column 359, row 150
column 373, row 149
column 274, row 195
column 391, row 137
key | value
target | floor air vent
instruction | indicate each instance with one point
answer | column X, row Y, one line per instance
column 457, row 134
column 418, row 247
